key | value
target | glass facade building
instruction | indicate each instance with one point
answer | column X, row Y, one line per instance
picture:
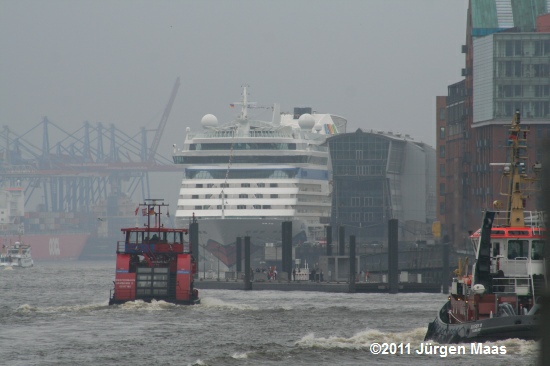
column 378, row 176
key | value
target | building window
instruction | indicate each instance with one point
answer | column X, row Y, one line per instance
column 361, row 170
column 442, row 151
column 442, row 113
column 355, row 201
column 441, row 170
column 368, row 201
column 442, row 208
column 441, row 189
column 442, row 132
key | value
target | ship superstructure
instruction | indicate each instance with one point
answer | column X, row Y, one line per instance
column 246, row 176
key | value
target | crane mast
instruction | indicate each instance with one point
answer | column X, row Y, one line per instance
column 163, row 120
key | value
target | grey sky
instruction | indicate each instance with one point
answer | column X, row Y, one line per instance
column 379, row 64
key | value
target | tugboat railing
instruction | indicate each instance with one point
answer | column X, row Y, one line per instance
column 534, row 219
column 515, row 267
column 512, row 285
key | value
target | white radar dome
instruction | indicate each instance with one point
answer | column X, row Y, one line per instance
column 306, row 121
column 209, row 120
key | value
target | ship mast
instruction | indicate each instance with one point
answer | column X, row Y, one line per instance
column 517, row 170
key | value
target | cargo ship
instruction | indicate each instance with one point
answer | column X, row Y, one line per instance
column 51, row 235
column 153, row 262
column 498, row 298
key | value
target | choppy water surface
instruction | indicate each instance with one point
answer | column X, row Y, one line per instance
column 57, row 314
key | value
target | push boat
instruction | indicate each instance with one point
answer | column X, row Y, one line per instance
column 154, row 262
column 16, row 255
column 498, row 300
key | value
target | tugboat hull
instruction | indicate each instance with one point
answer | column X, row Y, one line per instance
column 493, row 329
column 170, row 300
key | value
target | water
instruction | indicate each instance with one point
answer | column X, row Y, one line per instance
column 58, row 314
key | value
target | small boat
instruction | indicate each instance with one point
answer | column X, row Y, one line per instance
column 154, row 262
column 16, row 255
column 498, row 300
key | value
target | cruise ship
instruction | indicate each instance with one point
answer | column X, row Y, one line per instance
column 247, row 176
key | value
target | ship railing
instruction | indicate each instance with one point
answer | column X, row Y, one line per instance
column 534, row 219
column 520, row 286
column 515, row 267
column 226, row 134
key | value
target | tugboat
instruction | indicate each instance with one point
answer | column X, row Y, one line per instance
column 499, row 299
column 152, row 263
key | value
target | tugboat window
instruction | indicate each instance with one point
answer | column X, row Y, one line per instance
column 518, row 249
column 537, row 249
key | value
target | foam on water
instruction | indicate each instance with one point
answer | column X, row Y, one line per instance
column 415, row 337
column 27, row 308
column 216, row 303
column 362, row 340
column 154, row 305
column 515, row 346
column 197, row 362
column 239, row 355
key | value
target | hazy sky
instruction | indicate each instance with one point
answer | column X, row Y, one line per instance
column 378, row 63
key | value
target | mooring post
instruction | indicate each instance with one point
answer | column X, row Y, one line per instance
column 352, row 269
column 287, row 248
column 445, row 265
column 239, row 259
column 393, row 269
column 194, row 240
column 342, row 240
column 328, row 236
column 247, row 269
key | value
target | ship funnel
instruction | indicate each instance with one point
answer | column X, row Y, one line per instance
column 276, row 114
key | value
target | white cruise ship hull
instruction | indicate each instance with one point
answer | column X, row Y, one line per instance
column 261, row 231
column 218, row 237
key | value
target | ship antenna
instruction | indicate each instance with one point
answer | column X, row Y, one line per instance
column 244, row 108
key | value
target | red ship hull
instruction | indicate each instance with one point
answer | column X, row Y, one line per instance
column 60, row 246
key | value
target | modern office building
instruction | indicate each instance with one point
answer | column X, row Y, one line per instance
column 377, row 176
column 507, row 69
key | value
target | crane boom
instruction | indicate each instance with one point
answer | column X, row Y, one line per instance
column 163, row 120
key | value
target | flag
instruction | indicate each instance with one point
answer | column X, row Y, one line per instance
column 232, row 105
column 151, row 211
column 136, row 211
column 144, row 211
column 167, row 213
